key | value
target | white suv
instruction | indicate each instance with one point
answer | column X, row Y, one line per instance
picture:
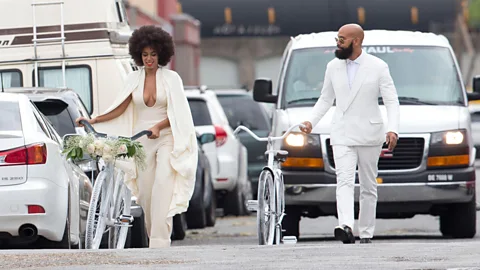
column 227, row 155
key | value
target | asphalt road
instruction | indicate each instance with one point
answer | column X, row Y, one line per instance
column 412, row 244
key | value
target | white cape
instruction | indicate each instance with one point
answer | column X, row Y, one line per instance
column 184, row 156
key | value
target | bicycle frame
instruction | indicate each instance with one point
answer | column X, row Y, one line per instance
column 273, row 165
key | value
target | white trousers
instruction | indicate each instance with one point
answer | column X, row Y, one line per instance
column 346, row 159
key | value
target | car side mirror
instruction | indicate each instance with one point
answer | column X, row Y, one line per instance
column 476, row 84
column 262, row 91
column 207, row 138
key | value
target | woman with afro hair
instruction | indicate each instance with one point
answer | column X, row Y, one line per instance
column 153, row 99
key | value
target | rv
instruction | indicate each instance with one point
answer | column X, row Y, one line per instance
column 81, row 45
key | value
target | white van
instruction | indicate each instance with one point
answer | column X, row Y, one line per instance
column 431, row 171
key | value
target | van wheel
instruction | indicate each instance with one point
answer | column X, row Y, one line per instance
column 291, row 222
column 460, row 220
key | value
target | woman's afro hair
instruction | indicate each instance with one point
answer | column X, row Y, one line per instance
column 155, row 38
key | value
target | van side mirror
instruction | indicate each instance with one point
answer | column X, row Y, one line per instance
column 475, row 94
column 262, row 91
column 476, row 84
column 207, row 138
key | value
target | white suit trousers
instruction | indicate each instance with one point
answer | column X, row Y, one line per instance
column 346, row 159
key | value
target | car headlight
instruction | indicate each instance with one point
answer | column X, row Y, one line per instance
column 295, row 140
column 452, row 137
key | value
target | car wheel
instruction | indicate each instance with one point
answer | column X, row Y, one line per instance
column 196, row 217
column 233, row 202
column 137, row 235
column 179, row 227
column 460, row 220
column 291, row 222
column 211, row 211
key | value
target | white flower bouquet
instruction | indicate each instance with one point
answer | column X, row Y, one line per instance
column 108, row 149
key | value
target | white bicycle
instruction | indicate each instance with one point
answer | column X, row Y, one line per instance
column 110, row 203
column 270, row 205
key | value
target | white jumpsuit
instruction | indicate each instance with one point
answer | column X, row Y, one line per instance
column 156, row 182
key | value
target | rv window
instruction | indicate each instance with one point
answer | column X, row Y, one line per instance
column 11, row 78
column 78, row 78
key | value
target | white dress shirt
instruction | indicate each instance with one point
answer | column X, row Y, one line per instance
column 352, row 67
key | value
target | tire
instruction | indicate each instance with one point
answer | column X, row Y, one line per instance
column 122, row 204
column 179, row 227
column 291, row 222
column 234, row 201
column 100, row 202
column 266, row 203
column 460, row 220
column 211, row 211
column 196, row 216
column 137, row 235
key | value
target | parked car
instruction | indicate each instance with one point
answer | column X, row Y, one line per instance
column 241, row 109
column 227, row 156
column 45, row 197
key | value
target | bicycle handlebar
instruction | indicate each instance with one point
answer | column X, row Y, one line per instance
column 89, row 128
column 237, row 130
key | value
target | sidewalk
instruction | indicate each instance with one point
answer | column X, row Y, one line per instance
column 442, row 254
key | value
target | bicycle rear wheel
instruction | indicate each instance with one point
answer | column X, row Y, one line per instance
column 121, row 210
column 98, row 212
column 266, row 207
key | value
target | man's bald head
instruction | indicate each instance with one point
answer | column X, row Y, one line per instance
column 349, row 42
column 352, row 31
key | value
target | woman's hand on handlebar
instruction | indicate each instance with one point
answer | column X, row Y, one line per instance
column 91, row 121
column 155, row 132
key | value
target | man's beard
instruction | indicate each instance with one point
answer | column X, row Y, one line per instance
column 344, row 53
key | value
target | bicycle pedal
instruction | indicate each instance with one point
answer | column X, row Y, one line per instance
column 125, row 219
column 252, row 205
column 289, row 240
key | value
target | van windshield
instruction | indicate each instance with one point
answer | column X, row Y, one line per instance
column 421, row 74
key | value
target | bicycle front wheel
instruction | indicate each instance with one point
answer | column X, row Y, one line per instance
column 121, row 212
column 266, row 208
column 98, row 212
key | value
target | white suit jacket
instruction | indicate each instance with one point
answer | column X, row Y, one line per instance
column 357, row 119
column 184, row 156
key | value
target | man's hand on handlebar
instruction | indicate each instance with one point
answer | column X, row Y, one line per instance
column 308, row 127
column 91, row 121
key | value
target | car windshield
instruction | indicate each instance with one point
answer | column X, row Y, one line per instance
column 243, row 110
column 421, row 74
column 200, row 113
column 10, row 120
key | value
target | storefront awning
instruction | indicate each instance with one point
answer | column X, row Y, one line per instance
column 291, row 17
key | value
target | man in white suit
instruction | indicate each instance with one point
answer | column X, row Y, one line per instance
column 355, row 79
